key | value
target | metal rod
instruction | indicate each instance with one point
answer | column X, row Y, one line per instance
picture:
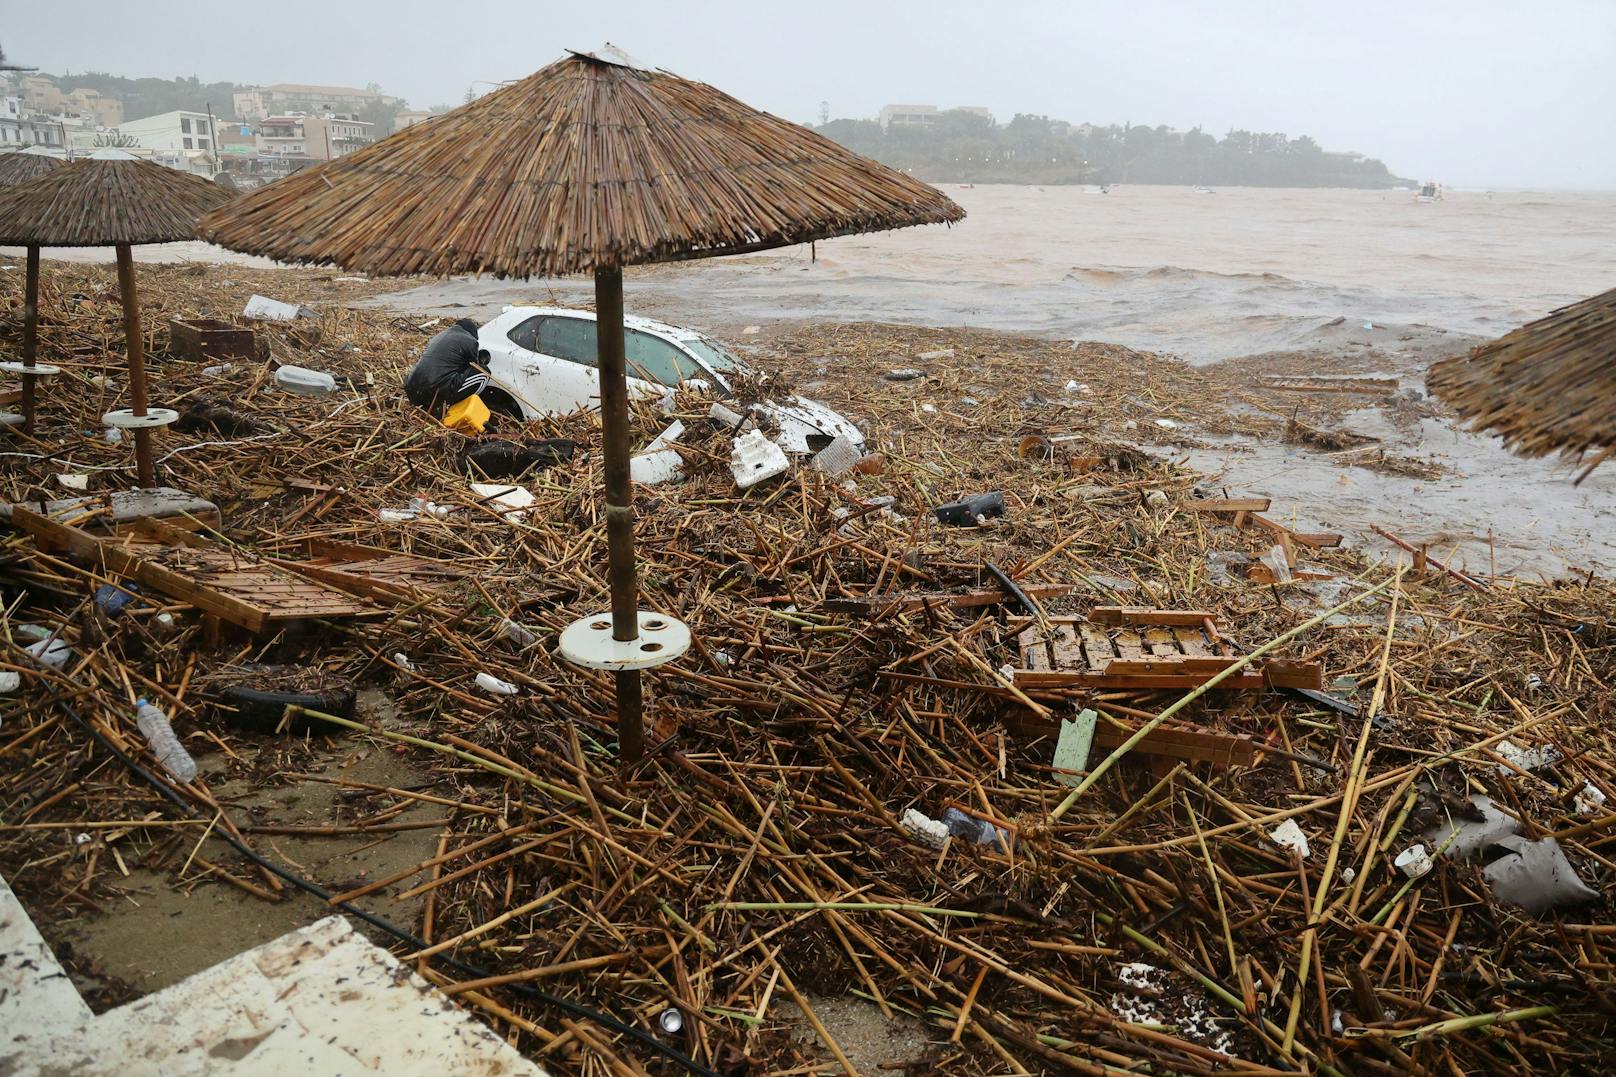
column 620, row 572
column 137, row 366
column 30, row 337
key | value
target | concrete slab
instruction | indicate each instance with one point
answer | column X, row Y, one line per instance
column 320, row 1000
column 35, row 994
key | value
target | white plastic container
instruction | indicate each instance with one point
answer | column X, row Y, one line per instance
column 1413, row 861
column 305, row 382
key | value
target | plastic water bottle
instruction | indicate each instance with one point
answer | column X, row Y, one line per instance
column 164, row 744
column 980, row 831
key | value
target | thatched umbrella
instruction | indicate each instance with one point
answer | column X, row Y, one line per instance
column 18, row 168
column 589, row 165
column 112, row 199
column 1549, row 386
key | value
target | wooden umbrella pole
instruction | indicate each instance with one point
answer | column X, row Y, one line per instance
column 30, row 336
column 137, row 366
column 620, row 572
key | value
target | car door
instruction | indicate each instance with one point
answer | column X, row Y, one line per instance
column 552, row 369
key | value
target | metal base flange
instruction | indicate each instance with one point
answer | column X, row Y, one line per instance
column 126, row 419
column 589, row 642
column 38, row 370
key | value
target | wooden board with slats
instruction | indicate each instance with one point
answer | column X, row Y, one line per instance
column 1133, row 647
column 230, row 584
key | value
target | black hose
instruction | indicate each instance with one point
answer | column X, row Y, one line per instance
column 472, row 971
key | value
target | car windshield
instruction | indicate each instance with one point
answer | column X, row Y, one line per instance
column 714, row 354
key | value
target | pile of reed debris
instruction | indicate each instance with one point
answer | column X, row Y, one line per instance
column 1224, row 897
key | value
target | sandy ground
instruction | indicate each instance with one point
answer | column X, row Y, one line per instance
column 166, row 929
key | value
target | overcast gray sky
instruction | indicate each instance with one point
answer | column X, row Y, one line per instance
column 1497, row 93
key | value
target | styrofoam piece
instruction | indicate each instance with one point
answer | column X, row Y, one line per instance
column 1288, row 835
column 322, row 999
column 38, row 370
column 77, row 483
column 666, row 439
column 924, row 829
column 728, row 417
column 652, row 468
column 508, row 498
column 1590, row 800
column 126, row 419
column 756, row 459
column 305, row 382
column 589, row 643
column 11, row 418
column 266, row 309
column 9, row 682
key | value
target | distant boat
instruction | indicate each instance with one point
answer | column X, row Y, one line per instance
column 1201, row 189
column 1104, row 188
column 967, row 186
column 1429, row 192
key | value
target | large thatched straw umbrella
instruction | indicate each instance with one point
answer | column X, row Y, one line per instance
column 113, row 199
column 1549, row 386
column 589, row 165
column 18, row 168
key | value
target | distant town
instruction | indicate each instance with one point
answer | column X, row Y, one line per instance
column 257, row 133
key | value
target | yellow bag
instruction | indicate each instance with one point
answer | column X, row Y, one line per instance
column 469, row 416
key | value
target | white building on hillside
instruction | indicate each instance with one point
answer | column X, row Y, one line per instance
column 173, row 132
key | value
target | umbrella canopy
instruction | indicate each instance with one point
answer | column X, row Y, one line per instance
column 111, row 199
column 584, row 163
column 105, row 202
column 1550, row 386
column 18, row 168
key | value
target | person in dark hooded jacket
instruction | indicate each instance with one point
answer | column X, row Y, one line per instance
column 450, row 369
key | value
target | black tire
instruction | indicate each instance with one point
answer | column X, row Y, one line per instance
column 500, row 402
column 258, row 711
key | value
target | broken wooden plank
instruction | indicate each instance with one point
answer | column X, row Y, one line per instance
column 1229, row 504
column 1168, row 741
column 1145, row 615
column 889, row 604
column 1318, row 540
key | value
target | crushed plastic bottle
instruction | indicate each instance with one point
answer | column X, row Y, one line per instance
column 1277, row 564
column 980, row 831
column 164, row 744
column 515, row 633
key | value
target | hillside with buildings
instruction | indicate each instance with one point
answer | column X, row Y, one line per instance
column 967, row 145
column 251, row 133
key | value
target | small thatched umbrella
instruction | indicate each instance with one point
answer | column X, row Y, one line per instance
column 18, row 168
column 1549, row 386
column 589, row 165
column 113, row 199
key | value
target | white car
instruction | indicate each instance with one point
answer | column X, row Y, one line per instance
column 542, row 361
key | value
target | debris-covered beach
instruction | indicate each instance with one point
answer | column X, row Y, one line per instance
column 885, row 817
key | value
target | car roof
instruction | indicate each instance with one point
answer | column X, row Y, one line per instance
column 648, row 325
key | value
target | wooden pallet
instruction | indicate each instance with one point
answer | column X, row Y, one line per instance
column 230, row 585
column 385, row 575
column 1134, row 647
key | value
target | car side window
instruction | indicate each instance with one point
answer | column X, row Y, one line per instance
column 526, row 333
column 572, row 339
column 654, row 359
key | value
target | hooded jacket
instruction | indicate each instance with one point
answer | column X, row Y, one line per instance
column 445, row 374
